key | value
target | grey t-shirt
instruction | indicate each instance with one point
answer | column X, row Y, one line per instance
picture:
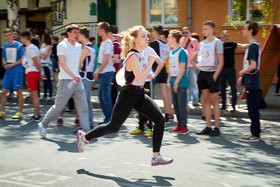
column 219, row 50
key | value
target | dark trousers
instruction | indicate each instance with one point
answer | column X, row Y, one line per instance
column 143, row 119
column 253, row 110
column 180, row 105
column 47, row 83
column 124, row 104
column 228, row 74
column 114, row 90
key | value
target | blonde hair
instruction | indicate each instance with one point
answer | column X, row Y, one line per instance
column 128, row 38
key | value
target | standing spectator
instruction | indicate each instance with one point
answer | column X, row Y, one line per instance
column 86, row 64
column 32, row 67
column 45, row 54
column 191, row 45
column 12, row 55
column 178, row 80
column 69, row 84
column 105, row 71
column 62, row 36
column 162, row 49
column 95, row 47
column 34, row 39
column 54, row 41
column 210, row 63
column 16, row 35
column 250, row 76
column 116, row 61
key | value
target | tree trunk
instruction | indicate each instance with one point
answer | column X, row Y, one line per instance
column 13, row 18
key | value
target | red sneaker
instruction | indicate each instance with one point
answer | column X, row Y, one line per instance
column 59, row 122
column 183, row 130
column 175, row 129
column 77, row 122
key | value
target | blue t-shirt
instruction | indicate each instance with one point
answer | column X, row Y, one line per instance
column 12, row 53
column 183, row 58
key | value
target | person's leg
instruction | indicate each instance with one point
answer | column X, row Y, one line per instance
column 166, row 102
column 79, row 97
column 105, row 81
column 215, row 102
column 36, row 102
column 232, row 83
column 253, row 111
column 45, row 82
column 124, row 103
column 20, row 100
column 49, row 81
column 71, row 104
column 4, row 99
column 114, row 90
column 62, row 97
column 176, row 105
column 223, row 83
column 193, row 85
column 207, row 106
column 182, row 106
column 87, row 86
column 149, row 108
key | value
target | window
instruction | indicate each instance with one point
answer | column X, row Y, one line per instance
column 163, row 12
column 242, row 10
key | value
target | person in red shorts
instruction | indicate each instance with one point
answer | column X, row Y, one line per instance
column 32, row 66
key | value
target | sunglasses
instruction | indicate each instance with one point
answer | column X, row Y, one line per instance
column 185, row 32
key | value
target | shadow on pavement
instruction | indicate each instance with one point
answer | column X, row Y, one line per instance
column 159, row 180
column 63, row 146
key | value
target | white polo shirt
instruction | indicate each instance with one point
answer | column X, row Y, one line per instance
column 72, row 56
column 106, row 47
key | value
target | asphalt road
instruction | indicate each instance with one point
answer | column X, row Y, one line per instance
column 124, row 160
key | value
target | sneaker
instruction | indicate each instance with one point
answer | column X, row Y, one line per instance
column 223, row 107
column 159, row 160
column 169, row 117
column 80, row 142
column 175, row 129
column 205, row 131
column 42, row 97
column 250, row 138
column 149, row 133
column 42, row 130
column 137, row 131
column 183, row 130
column 215, row 132
column 77, row 122
column 33, row 119
column 59, row 122
column 48, row 98
column 2, row 115
column 17, row 115
column 196, row 104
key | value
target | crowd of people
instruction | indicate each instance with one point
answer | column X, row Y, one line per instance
column 128, row 68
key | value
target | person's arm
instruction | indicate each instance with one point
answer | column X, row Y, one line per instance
column 242, row 46
column 37, row 63
column 159, row 67
column 140, row 75
column 116, row 58
column 102, row 66
column 62, row 64
column 85, row 53
column 182, row 70
column 45, row 56
column 220, row 54
column 192, row 61
column 168, row 81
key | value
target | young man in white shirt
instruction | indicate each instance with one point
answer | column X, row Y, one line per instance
column 69, row 82
column 32, row 65
column 210, row 63
column 106, row 70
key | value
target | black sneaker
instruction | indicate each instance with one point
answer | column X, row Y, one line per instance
column 33, row 119
column 205, row 131
column 215, row 132
column 223, row 107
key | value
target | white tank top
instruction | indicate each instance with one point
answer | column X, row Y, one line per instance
column 206, row 56
column 120, row 76
column 164, row 50
column 174, row 63
column 88, row 64
column 246, row 62
column 43, row 50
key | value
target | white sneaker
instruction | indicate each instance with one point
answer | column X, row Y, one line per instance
column 42, row 130
column 42, row 97
column 48, row 98
column 80, row 142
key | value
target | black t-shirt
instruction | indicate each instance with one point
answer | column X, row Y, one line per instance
column 36, row 42
column 54, row 51
column 253, row 53
column 229, row 49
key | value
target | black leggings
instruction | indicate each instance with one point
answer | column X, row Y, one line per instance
column 125, row 102
column 47, row 83
column 143, row 119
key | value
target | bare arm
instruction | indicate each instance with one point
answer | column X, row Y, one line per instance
column 102, row 66
column 37, row 63
column 62, row 64
column 44, row 56
column 192, row 61
column 242, row 46
column 182, row 70
column 116, row 58
column 219, row 67
column 252, row 67
column 9, row 66
column 159, row 67
column 85, row 53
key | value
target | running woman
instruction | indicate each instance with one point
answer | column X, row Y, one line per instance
column 134, row 72
column 251, row 79
column 178, row 80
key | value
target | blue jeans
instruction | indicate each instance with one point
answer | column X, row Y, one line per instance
column 104, row 94
column 253, row 110
column 180, row 105
column 193, row 88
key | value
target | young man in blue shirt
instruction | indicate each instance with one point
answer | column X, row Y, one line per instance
column 12, row 55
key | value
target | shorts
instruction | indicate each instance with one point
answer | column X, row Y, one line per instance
column 12, row 81
column 32, row 79
column 162, row 76
column 205, row 81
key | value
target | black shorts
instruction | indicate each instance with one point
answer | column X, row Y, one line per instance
column 205, row 81
column 162, row 76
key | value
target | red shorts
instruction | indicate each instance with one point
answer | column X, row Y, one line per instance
column 32, row 79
